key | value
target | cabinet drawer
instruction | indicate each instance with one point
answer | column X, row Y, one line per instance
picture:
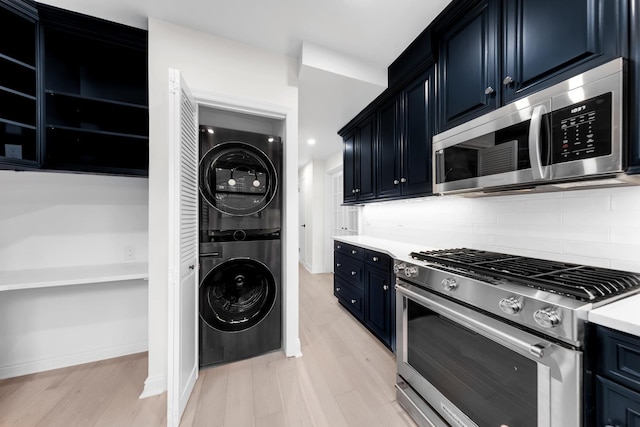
column 377, row 259
column 347, row 249
column 620, row 359
column 617, row 405
column 348, row 268
column 349, row 297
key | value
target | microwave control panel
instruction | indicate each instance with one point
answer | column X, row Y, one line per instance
column 582, row 130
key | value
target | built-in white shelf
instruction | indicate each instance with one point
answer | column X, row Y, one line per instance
column 67, row 276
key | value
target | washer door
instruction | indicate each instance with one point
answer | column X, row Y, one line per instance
column 237, row 294
column 237, row 178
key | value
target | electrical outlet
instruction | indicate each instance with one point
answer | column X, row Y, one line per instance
column 129, row 252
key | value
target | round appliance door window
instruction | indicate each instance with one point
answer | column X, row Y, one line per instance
column 237, row 295
column 237, row 178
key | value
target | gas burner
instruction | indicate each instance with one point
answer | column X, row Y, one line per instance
column 579, row 282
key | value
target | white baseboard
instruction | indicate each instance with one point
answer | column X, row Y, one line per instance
column 154, row 386
column 32, row 367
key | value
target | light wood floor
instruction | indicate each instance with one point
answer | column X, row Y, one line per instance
column 345, row 378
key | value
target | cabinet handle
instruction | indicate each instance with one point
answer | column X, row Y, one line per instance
column 385, row 287
column 338, row 265
column 353, row 301
column 357, row 190
column 375, row 259
column 338, row 246
column 396, row 182
column 354, row 252
column 337, row 289
column 489, row 90
column 353, row 191
column 403, row 179
column 353, row 273
column 192, row 267
column 507, row 80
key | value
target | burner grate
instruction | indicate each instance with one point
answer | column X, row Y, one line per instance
column 582, row 283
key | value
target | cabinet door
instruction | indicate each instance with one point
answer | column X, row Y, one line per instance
column 634, row 92
column 616, row 405
column 378, row 303
column 349, row 172
column 365, row 144
column 546, row 37
column 389, row 149
column 418, row 130
column 468, row 66
column 19, row 99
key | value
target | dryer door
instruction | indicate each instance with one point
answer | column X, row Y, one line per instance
column 237, row 294
column 237, row 178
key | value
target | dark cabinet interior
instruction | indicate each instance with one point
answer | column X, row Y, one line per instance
column 19, row 99
column 73, row 92
column 96, row 117
column 363, row 285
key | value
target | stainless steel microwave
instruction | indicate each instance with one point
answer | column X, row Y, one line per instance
column 569, row 135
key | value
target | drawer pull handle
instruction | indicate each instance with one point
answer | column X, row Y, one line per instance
column 396, row 182
column 337, row 289
column 338, row 265
column 375, row 259
column 353, row 273
column 338, row 247
column 354, row 252
column 385, row 287
column 353, row 301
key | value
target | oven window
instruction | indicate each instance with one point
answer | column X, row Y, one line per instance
column 489, row 383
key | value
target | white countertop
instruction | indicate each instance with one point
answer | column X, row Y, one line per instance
column 393, row 248
column 622, row 315
column 78, row 275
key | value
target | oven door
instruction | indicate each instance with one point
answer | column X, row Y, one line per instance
column 474, row 370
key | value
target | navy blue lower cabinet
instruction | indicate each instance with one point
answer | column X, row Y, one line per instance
column 618, row 379
column 378, row 296
column 363, row 283
column 618, row 406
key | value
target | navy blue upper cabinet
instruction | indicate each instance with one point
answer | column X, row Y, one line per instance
column 389, row 154
column 544, row 38
column 498, row 51
column 468, row 64
column 358, row 157
column 418, row 113
column 405, row 131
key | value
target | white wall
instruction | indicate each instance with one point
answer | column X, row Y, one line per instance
column 238, row 73
column 57, row 220
column 595, row 227
column 312, row 176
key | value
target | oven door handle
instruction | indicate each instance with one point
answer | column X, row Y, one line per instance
column 475, row 325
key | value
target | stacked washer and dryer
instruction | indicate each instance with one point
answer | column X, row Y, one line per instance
column 240, row 249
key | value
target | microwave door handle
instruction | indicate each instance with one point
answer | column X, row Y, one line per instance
column 535, row 143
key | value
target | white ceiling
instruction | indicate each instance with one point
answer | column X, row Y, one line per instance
column 372, row 31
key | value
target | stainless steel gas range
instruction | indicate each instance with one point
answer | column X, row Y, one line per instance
column 490, row 339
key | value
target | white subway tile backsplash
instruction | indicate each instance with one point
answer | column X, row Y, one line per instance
column 597, row 227
column 626, row 236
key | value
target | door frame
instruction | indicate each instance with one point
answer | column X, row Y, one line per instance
column 290, row 312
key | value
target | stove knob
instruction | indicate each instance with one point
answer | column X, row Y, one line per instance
column 397, row 268
column 510, row 305
column 411, row 271
column 547, row 317
column 449, row 284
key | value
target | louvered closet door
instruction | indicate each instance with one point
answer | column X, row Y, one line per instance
column 183, row 252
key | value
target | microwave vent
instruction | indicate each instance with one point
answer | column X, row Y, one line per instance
column 498, row 159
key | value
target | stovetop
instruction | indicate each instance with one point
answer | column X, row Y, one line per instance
column 579, row 282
